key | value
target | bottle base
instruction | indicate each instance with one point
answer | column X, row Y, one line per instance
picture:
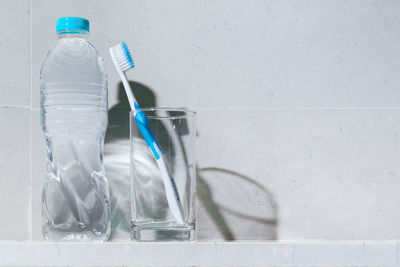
column 86, row 236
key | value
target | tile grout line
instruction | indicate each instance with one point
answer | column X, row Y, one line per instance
column 277, row 108
column 15, row 106
column 30, row 218
column 259, row 109
column 293, row 108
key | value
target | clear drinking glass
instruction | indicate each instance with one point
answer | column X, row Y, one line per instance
column 151, row 218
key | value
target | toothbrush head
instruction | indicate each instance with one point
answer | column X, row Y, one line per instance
column 122, row 57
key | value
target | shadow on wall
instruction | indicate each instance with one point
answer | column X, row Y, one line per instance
column 231, row 206
column 116, row 158
column 234, row 207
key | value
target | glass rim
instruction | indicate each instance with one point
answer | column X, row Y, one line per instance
column 188, row 113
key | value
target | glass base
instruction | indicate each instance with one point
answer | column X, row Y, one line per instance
column 162, row 234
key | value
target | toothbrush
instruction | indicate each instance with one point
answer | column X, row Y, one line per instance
column 123, row 62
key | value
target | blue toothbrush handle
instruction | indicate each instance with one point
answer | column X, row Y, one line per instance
column 169, row 183
column 144, row 128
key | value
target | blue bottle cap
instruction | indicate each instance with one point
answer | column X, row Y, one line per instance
column 72, row 25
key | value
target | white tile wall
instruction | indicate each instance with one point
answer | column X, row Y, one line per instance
column 326, row 174
column 14, row 120
column 298, row 108
column 38, row 169
column 14, row 53
column 243, row 54
column 15, row 178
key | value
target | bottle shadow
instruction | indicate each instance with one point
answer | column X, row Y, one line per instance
column 249, row 214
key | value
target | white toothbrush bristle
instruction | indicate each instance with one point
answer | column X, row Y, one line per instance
column 123, row 57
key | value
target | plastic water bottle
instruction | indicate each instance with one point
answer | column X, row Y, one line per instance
column 75, row 196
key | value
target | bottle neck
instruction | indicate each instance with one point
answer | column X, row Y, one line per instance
column 72, row 35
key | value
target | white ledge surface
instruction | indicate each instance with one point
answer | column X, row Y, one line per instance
column 305, row 252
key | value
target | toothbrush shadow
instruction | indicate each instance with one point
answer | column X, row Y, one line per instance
column 254, row 216
column 215, row 217
column 252, row 209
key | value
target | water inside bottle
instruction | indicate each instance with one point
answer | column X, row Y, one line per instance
column 75, row 196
